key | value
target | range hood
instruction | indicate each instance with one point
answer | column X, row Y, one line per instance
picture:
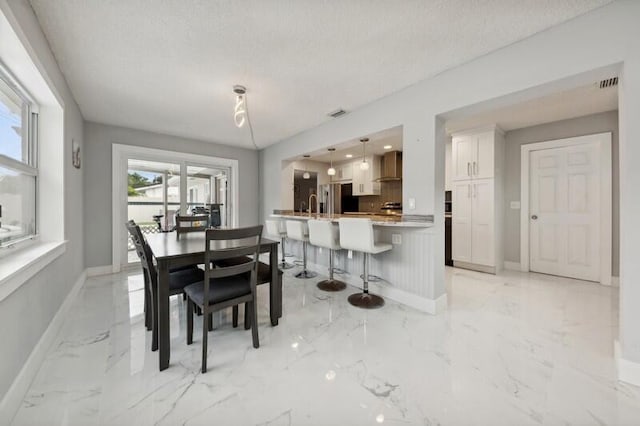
column 391, row 167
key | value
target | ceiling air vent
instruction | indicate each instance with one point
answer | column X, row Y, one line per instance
column 610, row 82
column 337, row 113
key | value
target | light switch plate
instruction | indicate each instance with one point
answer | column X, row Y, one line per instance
column 412, row 203
column 515, row 205
column 396, row 239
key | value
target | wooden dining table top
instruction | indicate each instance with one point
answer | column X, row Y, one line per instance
column 167, row 245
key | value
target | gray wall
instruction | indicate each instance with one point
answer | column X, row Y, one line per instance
column 597, row 123
column 26, row 313
column 97, row 174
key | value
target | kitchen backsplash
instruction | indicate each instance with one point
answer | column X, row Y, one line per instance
column 389, row 191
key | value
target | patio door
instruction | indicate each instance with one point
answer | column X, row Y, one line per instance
column 151, row 186
column 153, row 197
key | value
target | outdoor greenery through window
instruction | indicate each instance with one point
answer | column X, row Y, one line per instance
column 18, row 172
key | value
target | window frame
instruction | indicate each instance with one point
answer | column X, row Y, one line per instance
column 29, row 166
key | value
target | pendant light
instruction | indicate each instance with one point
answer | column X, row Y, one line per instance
column 306, row 174
column 331, row 171
column 240, row 109
column 364, row 165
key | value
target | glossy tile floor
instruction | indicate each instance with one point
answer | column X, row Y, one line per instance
column 515, row 349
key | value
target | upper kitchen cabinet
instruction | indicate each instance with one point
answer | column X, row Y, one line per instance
column 365, row 181
column 474, row 154
column 344, row 172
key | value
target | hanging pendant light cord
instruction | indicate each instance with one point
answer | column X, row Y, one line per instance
column 246, row 108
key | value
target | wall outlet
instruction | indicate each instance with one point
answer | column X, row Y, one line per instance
column 396, row 239
column 412, row 203
column 515, row 205
column 350, row 254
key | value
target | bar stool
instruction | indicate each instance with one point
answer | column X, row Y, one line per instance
column 276, row 229
column 357, row 235
column 298, row 230
column 323, row 233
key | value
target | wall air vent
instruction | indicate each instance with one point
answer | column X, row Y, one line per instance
column 337, row 113
column 610, row 82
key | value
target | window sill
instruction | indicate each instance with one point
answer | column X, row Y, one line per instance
column 17, row 268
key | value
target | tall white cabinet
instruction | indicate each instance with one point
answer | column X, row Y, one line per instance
column 477, row 179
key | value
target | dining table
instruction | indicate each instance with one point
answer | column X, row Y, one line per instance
column 171, row 252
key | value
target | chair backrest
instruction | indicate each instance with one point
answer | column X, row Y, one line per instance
column 221, row 244
column 194, row 223
column 356, row 234
column 297, row 230
column 274, row 228
column 142, row 248
column 324, row 233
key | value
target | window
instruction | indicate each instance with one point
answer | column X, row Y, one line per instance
column 18, row 171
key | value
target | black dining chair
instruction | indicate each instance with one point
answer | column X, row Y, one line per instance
column 226, row 286
column 195, row 223
column 178, row 279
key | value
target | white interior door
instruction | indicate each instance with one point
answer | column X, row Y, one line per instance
column 461, row 221
column 564, row 211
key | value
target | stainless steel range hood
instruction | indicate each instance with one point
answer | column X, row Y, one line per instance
column 391, row 167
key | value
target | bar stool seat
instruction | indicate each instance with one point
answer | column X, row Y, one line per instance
column 357, row 235
column 276, row 229
column 323, row 233
column 298, row 230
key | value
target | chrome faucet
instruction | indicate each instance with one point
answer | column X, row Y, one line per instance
column 310, row 197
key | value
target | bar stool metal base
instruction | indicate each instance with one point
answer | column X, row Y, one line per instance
column 331, row 285
column 306, row 274
column 285, row 265
column 366, row 300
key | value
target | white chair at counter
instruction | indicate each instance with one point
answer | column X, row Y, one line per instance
column 357, row 235
column 298, row 230
column 324, row 233
column 276, row 229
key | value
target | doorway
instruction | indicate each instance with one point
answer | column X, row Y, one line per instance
column 151, row 186
column 566, row 211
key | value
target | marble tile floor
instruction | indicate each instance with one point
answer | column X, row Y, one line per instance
column 514, row 349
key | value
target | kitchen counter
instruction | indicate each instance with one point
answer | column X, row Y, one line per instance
column 378, row 220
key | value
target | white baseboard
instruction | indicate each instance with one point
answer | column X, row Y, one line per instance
column 16, row 393
column 628, row 371
column 430, row 306
column 512, row 266
column 99, row 270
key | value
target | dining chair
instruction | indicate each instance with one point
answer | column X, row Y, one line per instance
column 178, row 279
column 226, row 286
column 194, row 223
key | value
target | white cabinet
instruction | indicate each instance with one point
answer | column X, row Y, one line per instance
column 344, row 172
column 473, row 155
column 477, row 159
column 364, row 181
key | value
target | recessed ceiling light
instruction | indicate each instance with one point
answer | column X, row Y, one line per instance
column 388, row 147
column 349, row 155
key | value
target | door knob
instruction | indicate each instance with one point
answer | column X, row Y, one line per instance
column 534, row 217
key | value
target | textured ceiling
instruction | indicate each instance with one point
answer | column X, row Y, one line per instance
column 169, row 66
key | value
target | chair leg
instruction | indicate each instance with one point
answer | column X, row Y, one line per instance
column 247, row 318
column 254, row 324
column 210, row 321
column 189, row 322
column 205, row 333
column 154, row 314
column 147, row 301
column 235, row 316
